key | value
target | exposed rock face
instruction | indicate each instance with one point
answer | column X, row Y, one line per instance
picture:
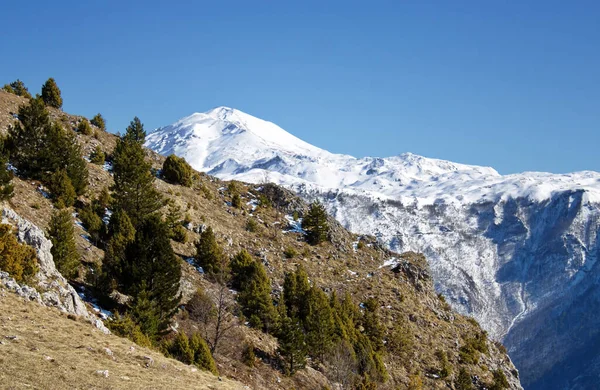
column 57, row 292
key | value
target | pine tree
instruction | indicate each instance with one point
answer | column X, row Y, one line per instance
column 84, row 127
column 315, row 224
column 150, row 265
column 121, row 233
column 97, row 157
column 202, row 357
column 240, row 269
column 255, row 298
column 134, row 189
column 292, row 346
column 180, row 349
column 236, row 201
column 209, row 254
column 99, row 122
column 18, row 88
column 319, row 324
column 51, row 94
column 177, row 171
column 295, row 293
column 145, row 313
column 61, row 189
column 135, row 132
column 6, row 176
column 62, row 236
column 373, row 328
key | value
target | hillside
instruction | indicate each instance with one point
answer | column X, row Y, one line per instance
column 518, row 252
column 401, row 284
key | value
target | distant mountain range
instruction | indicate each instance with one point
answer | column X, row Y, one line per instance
column 518, row 252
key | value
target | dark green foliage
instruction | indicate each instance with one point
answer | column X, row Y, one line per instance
column 177, row 171
column 236, row 201
column 292, row 346
column 150, row 265
column 99, row 122
column 295, row 293
column 173, row 220
column 134, row 190
column 61, row 189
column 500, row 381
column 97, row 157
column 62, row 235
column 6, row 176
column 252, row 225
column 240, row 267
column 209, row 254
column 39, row 148
column 248, row 355
column 315, row 224
column 369, row 361
column 84, row 127
column 463, row 381
column 121, row 233
column 51, row 94
column 180, row 349
column 319, row 324
column 146, row 314
column 469, row 352
column 254, row 297
column 125, row 326
column 17, row 259
column 18, row 88
column 360, row 245
column 290, row 253
column 202, row 357
column 372, row 327
column 179, row 234
column 92, row 222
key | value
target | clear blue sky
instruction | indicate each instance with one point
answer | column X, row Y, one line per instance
column 514, row 85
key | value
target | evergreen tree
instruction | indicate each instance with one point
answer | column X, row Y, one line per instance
column 18, row 88
column 145, row 313
column 135, row 132
column 373, row 328
column 315, row 224
column 236, row 201
column 121, row 233
column 134, row 189
column 209, row 254
column 84, row 127
column 99, row 122
column 51, row 94
column 292, row 346
column 97, row 157
column 180, row 349
column 6, row 176
column 319, row 324
column 177, row 171
column 61, row 189
column 62, row 236
column 240, row 269
column 255, row 298
column 202, row 357
column 28, row 137
column 295, row 293
column 150, row 265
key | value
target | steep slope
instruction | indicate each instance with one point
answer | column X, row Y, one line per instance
column 402, row 285
column 518, row 252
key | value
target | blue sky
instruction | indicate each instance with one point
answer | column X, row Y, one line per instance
column 513, row 85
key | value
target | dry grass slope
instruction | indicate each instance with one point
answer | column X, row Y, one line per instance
column 54, row 351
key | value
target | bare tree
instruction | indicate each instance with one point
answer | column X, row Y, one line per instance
column 224, row 319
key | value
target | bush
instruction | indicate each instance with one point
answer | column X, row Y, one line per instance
column 179, row 234
column 360, row 245
column 99, row 122
column 61, row 189
column 236, row 201
column 177, row 171
column 125, row 326
column 445, row 369
column 18, row 88
column 248, row 355
column 97, row 157
column 51, row 94
column 17, row 259
column 84, row 127
column 202, row 356
column 252, row 225
column 290, row 253
column 463, row 380
column 500, row 381
column 92, row 222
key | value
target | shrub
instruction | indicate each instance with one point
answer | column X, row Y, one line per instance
column 463, row 380
column 202, row 356
column 92, row 222
column 445, row 369
column 500, row 381
column 61, row 189
column 236, row 201
column 97, row 157
column 64, row 251
column 84, row 127
column 176, row 170
column 17, row 259
column 99, row 122
column 252, row 225
column 6, row 176
column 179, row 234
column 360, row 245
column 290, row 253
column 51, row 94
column 248, row 355
column 18, row 88
column 125, row 326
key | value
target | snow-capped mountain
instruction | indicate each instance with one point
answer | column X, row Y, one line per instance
column 518, row 252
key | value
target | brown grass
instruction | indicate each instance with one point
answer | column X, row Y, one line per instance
column 56, row 351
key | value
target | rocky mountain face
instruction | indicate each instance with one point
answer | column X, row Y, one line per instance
column 517, row 252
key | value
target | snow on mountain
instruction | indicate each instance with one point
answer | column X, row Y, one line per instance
column 518, row 252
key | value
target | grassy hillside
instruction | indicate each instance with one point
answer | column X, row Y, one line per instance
column 421, row 331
